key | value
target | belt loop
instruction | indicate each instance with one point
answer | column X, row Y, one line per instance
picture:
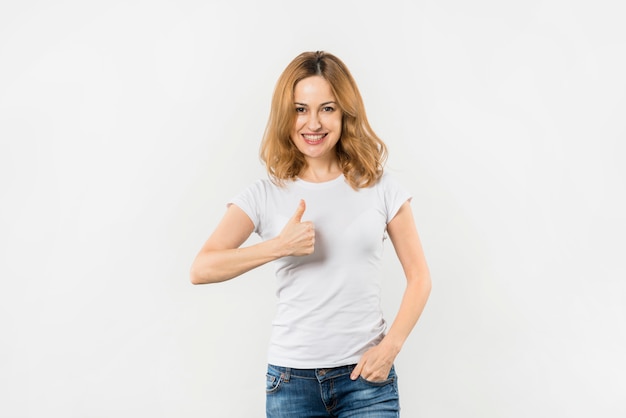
column 286, row 374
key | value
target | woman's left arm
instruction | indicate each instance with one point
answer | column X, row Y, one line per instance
column 376, row 363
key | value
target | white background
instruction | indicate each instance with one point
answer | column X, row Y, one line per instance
column 125, row 126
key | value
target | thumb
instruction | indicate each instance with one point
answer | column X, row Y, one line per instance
column 297, row 217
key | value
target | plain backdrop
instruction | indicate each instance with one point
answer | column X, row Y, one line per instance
column 126, row 126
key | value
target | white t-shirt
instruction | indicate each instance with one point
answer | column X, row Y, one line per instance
column 328, row 309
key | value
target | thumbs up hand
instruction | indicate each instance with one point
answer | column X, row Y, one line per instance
column 297, row 237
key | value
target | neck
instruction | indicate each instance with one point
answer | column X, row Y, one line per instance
column 320, row 171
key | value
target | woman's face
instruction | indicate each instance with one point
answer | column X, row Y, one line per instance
column 317, row 128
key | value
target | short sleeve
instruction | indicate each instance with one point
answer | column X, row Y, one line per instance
column 394, row 195
column 251, row 200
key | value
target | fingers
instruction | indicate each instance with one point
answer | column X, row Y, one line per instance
column 298, row 238
column 357, row 370
column 297, row 217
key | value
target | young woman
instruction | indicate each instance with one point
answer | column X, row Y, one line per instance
column 323, row 216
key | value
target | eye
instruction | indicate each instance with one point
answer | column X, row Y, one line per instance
column 300, row 109
column 328, row 109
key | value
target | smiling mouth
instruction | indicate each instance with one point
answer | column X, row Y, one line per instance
column 313, row 138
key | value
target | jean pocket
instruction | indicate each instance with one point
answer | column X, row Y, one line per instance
column 390, row 379
column 273, row 381
column 377, row 383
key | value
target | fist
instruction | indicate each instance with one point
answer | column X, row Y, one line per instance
column 297, row 237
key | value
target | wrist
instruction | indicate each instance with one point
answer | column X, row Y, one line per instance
column 276, row 248
column 392, row 343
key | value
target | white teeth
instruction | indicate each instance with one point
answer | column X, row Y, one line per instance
column 313, row 137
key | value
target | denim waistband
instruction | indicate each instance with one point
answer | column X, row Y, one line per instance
column 318, row 374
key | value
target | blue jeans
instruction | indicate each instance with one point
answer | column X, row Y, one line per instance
column 317, row 393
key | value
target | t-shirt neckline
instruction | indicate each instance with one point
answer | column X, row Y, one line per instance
column 319, row 185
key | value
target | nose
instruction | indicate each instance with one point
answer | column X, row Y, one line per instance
column 314, row 121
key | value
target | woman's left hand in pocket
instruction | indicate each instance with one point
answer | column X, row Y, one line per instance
column 375, row 364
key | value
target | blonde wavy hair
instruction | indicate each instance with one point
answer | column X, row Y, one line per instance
column 361, row 154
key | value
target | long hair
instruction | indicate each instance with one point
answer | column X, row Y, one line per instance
column 361, row 154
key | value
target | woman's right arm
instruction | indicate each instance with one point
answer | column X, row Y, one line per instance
column 221, row 257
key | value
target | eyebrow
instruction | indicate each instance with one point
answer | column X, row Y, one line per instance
column 323, row 104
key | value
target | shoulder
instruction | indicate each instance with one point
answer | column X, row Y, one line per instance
column 266, row 190
column 263, row 185
column 388, row 181
column 392, row 193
